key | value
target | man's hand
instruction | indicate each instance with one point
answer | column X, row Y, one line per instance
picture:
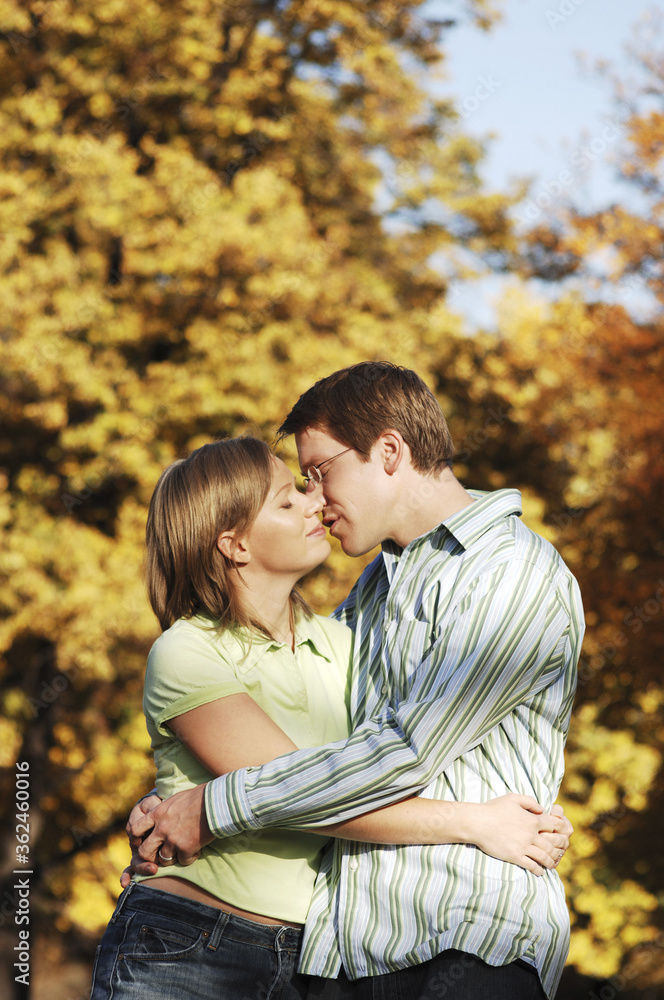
column 180, row 830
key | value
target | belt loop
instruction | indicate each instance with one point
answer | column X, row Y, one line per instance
column 280, row 938
column 124, row 896
column 218, row 930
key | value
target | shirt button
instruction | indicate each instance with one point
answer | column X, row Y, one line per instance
column 384, row 689
column 353, row 865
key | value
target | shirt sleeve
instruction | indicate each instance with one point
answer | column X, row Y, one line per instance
column 511, row 636
column 185, row 669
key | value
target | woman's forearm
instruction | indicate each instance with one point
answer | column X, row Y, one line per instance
column 512, row 828
column 413, row 821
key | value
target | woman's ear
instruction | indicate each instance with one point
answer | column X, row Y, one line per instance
column 233, row 548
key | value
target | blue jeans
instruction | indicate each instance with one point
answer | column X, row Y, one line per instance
column 159, row 945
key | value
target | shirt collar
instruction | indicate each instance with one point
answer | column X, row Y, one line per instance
column 253, row 646
column 472, row 522
column 309, row 630
column 467, row 525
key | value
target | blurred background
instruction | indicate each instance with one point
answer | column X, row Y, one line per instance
column 204, row 207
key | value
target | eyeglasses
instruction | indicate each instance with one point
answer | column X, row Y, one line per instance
column 314, row 476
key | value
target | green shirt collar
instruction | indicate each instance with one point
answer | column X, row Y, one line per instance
column 253, row 645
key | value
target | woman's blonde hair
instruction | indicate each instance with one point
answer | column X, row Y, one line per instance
column 219, row 487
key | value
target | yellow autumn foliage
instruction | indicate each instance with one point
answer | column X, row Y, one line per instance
column 193, row 201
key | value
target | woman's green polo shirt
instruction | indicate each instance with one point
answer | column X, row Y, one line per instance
column 271, row 871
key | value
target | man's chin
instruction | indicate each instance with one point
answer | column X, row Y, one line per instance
column 354, row 548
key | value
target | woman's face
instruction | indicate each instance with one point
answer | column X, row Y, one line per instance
column 287, row 537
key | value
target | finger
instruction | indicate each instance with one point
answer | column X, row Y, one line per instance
column 550, row 856
column 148, row 848
column 139, row 824
column 530, row 803
column 166, row 855
column 140, row 867
column 531, row 865
column 555, row 842
column 564, row 826
column 548, row 823
column 541, row 857
column 149, row 803
column 187, row 859
column 125, row 878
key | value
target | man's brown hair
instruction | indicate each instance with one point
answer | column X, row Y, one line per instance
column 219, row 487
column 356, row 404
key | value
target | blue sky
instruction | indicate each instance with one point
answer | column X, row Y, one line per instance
column 553, row 121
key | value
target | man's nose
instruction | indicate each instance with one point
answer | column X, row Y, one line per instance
column 315, row 501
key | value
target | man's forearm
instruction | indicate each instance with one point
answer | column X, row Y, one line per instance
column 381, row 763
column 467, row 685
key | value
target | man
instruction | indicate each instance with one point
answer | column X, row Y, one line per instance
column 468, row 629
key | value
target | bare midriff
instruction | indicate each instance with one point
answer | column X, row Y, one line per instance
column 181, row 887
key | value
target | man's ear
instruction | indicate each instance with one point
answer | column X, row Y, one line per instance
column 393, row 450
column 234, row 548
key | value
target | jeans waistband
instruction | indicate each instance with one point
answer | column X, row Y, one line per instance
column 137, row 896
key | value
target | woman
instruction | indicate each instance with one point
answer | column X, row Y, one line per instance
column 244, row 672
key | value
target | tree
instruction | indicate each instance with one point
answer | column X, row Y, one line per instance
column 568, row 401
column 191, row 235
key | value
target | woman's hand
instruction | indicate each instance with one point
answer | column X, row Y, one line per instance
column 515, row 828
column 139, row 824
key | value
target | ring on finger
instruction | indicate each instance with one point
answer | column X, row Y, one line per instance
column 164, row 858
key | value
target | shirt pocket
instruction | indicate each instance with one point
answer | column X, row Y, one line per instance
column 408, row 642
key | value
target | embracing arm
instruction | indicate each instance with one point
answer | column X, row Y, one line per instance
column 233, row 732
column 471, row 679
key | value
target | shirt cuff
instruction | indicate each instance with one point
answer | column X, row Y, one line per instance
column 227, row 807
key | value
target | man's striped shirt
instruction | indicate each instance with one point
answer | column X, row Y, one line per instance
column 464, row 672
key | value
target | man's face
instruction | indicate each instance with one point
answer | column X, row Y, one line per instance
column 355, row 493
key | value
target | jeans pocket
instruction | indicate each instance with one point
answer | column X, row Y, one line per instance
column 153, row 937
